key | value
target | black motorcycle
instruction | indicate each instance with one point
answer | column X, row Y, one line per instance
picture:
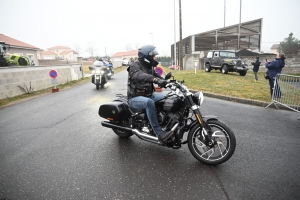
column 99, row 74
column 209, row 140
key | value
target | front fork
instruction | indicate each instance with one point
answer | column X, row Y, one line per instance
column 209, row 141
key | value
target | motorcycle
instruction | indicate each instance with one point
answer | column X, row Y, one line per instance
column 110, row 71
column 99, row 74
column 209, row 140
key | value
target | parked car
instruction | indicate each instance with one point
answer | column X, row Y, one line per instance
column 174, row 67
column 225, row 61
column 125, row 62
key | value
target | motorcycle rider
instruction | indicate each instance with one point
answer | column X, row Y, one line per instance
column 141, row 76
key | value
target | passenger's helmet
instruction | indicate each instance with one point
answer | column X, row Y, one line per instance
column 146, row 54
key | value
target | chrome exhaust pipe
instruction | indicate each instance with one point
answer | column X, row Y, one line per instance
column 141, row 135
column 111, row 125
column 145, row 136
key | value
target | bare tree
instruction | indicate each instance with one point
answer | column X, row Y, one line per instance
column 91, row 49
column 128, row 47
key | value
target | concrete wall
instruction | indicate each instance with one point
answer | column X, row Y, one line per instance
column 37, row 77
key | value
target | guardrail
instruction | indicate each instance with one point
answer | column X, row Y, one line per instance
column 286, row 92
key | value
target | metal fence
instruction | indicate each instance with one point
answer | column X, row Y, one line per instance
column 286, row 92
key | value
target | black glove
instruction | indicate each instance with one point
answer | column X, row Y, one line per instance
column 160, row 82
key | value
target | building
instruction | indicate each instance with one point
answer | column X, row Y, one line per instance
column 274, row 48
column 59, row 53
column 120, row 56
column 21, row 48
column 246, row 35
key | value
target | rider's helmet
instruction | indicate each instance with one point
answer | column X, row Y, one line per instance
column 146, row 54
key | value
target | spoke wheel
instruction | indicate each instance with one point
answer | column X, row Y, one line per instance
column 223, row 148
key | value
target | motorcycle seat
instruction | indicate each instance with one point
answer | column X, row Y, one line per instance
column 136, row 110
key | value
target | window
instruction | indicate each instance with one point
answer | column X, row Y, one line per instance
column 209, row 55
column 227, row 54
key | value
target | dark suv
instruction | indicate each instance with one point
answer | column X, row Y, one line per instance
column 225, row 61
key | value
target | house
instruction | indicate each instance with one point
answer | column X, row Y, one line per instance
column 274, row 48
column 21, row 48
column 61, row 52
column 120, row 56
column 48, row 55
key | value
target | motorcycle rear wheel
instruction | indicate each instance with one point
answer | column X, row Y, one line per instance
column 121, row 133
column 224, row 146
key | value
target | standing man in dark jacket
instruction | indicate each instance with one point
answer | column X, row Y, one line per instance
column 274, row 68
column 141, row 76
column 256, row 65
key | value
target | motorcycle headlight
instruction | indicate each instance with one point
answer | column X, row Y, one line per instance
column 102, row 72
column 198, row 98
column 93, row 71
column 98, row 71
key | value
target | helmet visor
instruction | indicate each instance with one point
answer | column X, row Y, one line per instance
column 154, row 52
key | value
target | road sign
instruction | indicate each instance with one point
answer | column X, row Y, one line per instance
column 159, row 70
column 53, row 73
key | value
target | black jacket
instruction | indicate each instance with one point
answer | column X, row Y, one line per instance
column 140, row 74
column 256, row 65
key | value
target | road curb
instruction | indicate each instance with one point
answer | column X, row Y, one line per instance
column 238, row 100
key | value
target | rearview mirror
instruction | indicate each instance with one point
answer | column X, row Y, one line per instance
column 168, row 76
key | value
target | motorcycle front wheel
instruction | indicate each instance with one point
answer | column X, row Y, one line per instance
column 223, row 148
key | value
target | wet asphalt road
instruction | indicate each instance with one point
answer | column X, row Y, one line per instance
column 54, row 147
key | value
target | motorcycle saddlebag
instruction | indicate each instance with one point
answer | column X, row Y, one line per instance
column 113, row 111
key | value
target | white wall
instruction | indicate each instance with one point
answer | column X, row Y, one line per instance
column 36, row 77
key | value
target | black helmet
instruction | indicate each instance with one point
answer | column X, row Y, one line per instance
column 100, row 59
column 146, row 54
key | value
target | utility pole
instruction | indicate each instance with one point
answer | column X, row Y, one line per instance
column 180, row 35
column 175, row 61
column 224, row 11
column 239, row 33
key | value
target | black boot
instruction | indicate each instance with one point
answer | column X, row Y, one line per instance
column 165, row 135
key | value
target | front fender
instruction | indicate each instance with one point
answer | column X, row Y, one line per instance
column 205, row 118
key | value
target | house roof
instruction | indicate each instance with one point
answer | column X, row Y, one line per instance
column 48, row 53
column 16, row 43
column 127, row 53
column 68, row 51
column 58, row 47
column 275, row 46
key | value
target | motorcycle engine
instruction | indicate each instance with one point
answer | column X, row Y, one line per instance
column 167, row 119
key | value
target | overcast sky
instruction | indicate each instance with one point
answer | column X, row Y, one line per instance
column 112, row 24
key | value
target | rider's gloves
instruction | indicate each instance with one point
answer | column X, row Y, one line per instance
column 160, row 82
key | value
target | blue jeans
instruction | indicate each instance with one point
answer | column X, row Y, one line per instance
column 147, row 103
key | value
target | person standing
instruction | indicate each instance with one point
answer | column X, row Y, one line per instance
column 256, row 65
column 274, row 68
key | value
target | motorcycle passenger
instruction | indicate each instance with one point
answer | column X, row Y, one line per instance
column 141, row 76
